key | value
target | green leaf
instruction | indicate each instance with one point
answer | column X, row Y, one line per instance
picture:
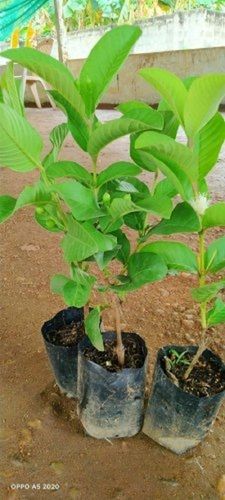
column 37, row 195
column 215, row 255
column 169, row 86
column 164, row 148
column 104, row 62
column 208, row 143
column 146, row 268
column 157, row 205
column 51, row 70
column 125, row 248
column 9, row 90
column 77, row 244
column 125, row 107
column 69, row 169
column 75, row 294
column 92, row 328
column 7, row 206
column 165, row 188
column 177, row 256
column 216, row 315
column 171, row 123
column 214, row 216
column 183, row 220
column 116, row 171
column 80, row 199
column 135, row 220
column 120, row 207
column 112, row 130
column 131, row 185
column 76, row 123
column 20, row 144
column 207, row 292
column 57, row 137
column 58, row 282
column 104, row 258
column 104, row 242
column 142, row 158
column 203, row 99
column 147, row 115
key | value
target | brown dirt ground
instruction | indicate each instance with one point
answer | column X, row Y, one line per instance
column 42, row 439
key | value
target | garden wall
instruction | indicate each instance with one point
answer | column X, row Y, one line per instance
column 188, row 43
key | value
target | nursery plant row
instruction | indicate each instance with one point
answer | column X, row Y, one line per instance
column 98, row 213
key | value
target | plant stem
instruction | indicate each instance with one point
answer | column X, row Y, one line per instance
column 94, row 172
column 55, row 197
column 203, row 309
column 119, row 343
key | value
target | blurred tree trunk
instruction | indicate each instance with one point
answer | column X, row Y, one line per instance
column 60, row 30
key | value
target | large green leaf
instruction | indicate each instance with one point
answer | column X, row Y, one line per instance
column 161, row 206
column 183, row 220
column 20, row 144
column 10, row 91
column 216, row 315
column 142, row 158
column 146, row 268
column 37, row 195
column 174, row 160
column 116, row 171
column 75, row 291
column 7, row 206
column 75, row 294
column 165, row 148
column 169, row 86
column 51, row 70
column 104, row 62
column 171, row 123
column 214, row 216
column 58, row 282
column 79, row 198
column 136, row 220
column 122, row 206
column 57, row 137
column 112, row 130
column 69, row 169
column 215, row 255
column 127, row 106
column 92, row 328
column 147, row 115
column 76, row 122
column 77, row 244
column 177, row 256
column 203, row 99
column 207, row 292
column 208, row 143
column 165, row 188
column 105, row 242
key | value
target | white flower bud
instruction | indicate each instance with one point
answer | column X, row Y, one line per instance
column 200, row 204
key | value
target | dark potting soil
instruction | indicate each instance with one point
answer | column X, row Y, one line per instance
column 68, row 335
column 134, row 355
column 206, row 378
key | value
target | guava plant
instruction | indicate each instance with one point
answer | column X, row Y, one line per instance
column 193, row 105
column 90, row 208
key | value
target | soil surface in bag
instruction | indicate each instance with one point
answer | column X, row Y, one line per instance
column 206, row 378
column 66, row 334
column 134, row 355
